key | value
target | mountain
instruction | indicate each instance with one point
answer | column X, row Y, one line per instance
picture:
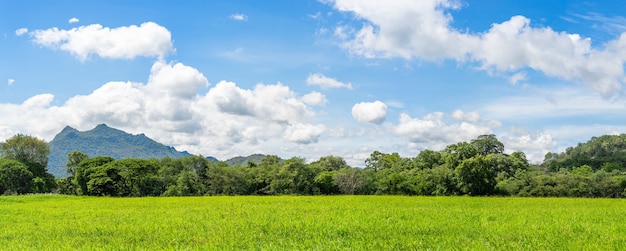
column 240, row 160
column 104, row 141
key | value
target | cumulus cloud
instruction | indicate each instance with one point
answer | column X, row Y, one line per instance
column 423, row 30
column 169, row 107
column 326, row 82
column 21, row 31
column 304, row 133
column 370, row 112
column 314, row 98
column 473, row 116
column 521, row 139
column 239, row 17
column 73, row 20
column 435, row 129
column 176, row 79
column 148, row 40
column 534, row 144
column 10, row 81
column 275, row 103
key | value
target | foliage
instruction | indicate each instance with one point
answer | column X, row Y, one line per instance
column 29, row 150
column 33, row 154
column 14, row 177
column 477, row 168
column 608, row 151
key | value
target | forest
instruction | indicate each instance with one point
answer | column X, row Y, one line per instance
column 479, row 167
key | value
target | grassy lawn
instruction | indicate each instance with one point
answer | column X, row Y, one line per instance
column 51, row 222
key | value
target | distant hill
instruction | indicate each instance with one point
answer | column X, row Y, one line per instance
column 240, row 160
column 604, row 152
column 104, row 141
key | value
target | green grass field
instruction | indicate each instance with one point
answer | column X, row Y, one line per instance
column 49, row 222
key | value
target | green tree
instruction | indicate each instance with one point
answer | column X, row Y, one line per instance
column 14, row 177
column 83, row 172
column 330, row 163
column 139, row 177
column 29, row 150
column 187, row 184
column 476, row 176
column 427, row 159
column 379, row 161
column 104, row 180
column 294, row 177
column 488, row 144
column 73, row 159
column 454, row 154
column 270, row 160
column 325, row 181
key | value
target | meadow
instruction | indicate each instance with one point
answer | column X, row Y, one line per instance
column 56, row 222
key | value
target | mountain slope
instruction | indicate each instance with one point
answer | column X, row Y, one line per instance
column 240, row 160
column 104, row 141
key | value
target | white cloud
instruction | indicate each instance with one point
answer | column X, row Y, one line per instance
column 73, row 20
column 529, row 141
column 126, row 42
column 314, row 98
column 534, row 144
column 10, row 81
column 422, row 29
column 239, row 17
column 517, row 77
column 224, row 122
column 21, row 31
column 370, row 112
column 326, row 82
column 177, row 79
column 304, row 133
column 473, row 116
column 434, row 130
column 267, row 102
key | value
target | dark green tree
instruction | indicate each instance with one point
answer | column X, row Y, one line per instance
column 476, row 176
column 14, row 177
column 84, row 169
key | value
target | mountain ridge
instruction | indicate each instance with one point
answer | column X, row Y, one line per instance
column 103, row 140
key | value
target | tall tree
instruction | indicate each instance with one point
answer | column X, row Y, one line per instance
column 73, row 159
column 378, row 161
column 29, row 150
column 488, row 144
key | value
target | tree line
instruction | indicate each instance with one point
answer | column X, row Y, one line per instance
column 477, row 168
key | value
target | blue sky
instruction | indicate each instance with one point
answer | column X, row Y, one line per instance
column 315, row 78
